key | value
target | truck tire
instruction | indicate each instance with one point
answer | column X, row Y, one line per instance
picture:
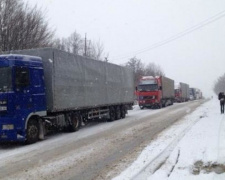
column 112, row 114
column 75, row 122
column 160, row 106
column 32, row 131
column 123, row 112
column 141, row 107
column 118, row 112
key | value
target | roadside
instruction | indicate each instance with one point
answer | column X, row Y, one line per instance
column 193, row 149
column 98, row 151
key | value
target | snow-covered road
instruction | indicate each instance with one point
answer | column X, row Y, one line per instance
column 97, row 151
column 191, row 149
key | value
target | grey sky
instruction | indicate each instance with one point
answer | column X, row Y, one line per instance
column 128, row 26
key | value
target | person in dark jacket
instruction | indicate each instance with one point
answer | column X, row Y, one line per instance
column 221, row 97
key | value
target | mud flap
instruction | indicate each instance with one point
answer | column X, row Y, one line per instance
column 41, row 129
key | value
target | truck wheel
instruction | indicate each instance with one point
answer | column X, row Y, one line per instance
column 118, row 112
column 141, row 107
column 112, row 114
column 123, row 112
column 32, row 131
column 75, row 123
column 160, row 106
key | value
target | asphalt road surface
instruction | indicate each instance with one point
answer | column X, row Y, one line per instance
column 96, row 151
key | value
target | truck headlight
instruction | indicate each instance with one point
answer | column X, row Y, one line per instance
column 3, row 102
column 3, row 108
column 7, row 127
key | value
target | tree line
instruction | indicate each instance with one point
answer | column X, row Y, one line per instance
column 140, row 69
column 22, row 27
column 25, row 27
column 81, row 46
column 220, row 84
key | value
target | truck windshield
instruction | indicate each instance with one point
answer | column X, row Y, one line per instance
column 5, row 79
column 148, row 87
column 148, row 81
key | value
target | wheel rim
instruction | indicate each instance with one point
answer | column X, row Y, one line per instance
column 112, row 114
column 32, row 132
column 123, row 113
column 118, row 113
column 75, row 121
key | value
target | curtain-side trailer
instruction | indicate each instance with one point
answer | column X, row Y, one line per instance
column 45, row 89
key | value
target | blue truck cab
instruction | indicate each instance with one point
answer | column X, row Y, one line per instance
column 22, row 97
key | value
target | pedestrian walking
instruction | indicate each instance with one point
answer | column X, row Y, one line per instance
column 221, row 97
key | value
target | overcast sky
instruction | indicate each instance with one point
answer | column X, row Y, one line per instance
column 127, row 27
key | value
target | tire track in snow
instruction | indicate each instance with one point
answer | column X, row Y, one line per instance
column 162, row 156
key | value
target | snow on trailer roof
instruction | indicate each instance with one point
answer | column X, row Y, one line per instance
column 22, row 59
column 147, row 77
column 59, row 50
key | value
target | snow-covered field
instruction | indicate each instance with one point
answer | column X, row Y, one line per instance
column 191, row 149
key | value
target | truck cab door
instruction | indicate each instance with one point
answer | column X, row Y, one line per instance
column 23, row 100
column 38, row 89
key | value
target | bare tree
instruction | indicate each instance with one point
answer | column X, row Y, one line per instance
column 57, row 44
column 138, row 68
column 98, row 49
column 22, row 27
column 93, row 49
column 76, row 45
column 62, row 44
column 220, row 84
column 153, row 70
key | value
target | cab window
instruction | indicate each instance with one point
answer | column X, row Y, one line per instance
column 22, row 77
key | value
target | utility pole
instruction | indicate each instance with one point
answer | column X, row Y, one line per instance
column 85, row 45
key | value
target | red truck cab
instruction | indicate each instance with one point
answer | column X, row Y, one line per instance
column 149, row 92
column 178, row 94
column 155, row 92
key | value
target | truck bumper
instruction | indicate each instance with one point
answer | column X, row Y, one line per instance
column 150, row 105
column 10, row 131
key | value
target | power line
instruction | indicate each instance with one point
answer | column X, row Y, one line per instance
column 175, row 37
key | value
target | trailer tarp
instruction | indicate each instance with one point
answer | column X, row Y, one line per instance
column 77, row 82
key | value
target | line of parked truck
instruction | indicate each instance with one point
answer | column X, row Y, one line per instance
column 43, row 90
column 160, row 91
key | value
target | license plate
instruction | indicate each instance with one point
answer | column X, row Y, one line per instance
column 3, row 108
column 7, row 127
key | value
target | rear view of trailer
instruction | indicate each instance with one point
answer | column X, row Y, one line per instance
column 184, row 91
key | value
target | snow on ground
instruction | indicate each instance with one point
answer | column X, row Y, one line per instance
column 8, row 153
column 191, row 149
column 58, row 139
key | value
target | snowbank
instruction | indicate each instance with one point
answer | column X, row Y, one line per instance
column 191, row 149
